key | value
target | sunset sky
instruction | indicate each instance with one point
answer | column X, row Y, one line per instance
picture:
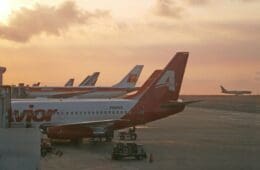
column 53, row 40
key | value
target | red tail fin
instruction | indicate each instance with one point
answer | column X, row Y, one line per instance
column 167, row 86
column 145, row 86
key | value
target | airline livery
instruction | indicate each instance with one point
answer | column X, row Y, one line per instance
column 69, row 83
column 90, row 80
column 235, row 92
column 89, row 118
column 126, row 85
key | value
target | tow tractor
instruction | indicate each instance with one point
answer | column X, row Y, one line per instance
column 126, row 150
column 130, row 135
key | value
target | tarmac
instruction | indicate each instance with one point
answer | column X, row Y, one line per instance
column 199, row 138
column 19, row 149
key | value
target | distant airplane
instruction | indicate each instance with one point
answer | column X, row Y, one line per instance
column 69, row 83
column 75, row 119
column 126, row 85
column 235, row 92
column 90, row 80
column 36, row 84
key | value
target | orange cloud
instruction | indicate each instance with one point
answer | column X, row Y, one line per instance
column 167, row 8
column 25, row 23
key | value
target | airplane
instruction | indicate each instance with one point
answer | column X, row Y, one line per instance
column 36, row 84
column 69, row 83
column 90, row 80
column 235, row 92
column 126, row 85
column 76, row 119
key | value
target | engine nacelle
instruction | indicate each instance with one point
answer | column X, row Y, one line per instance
column 69, row 132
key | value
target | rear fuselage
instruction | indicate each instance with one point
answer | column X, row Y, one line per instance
column 84, row 92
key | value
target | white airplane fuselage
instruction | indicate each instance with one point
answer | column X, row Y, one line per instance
column 56, row 111
column 237, row 92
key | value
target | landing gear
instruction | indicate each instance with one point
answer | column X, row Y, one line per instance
column 108, row 136
column 130, row 135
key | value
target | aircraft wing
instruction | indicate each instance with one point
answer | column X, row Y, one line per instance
column 98, row 123
column 90, row 124
column 70, row 94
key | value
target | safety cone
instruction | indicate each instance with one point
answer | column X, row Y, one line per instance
column 151, row 158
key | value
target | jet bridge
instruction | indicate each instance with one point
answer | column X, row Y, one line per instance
column 19, row 147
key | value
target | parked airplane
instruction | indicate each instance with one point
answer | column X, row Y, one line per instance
column 90, row 80
column 69, row 83
column 126, row 85
column 36, row 84
column 89, row 118
column 235, row 92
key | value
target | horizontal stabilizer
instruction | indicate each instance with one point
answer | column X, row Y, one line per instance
column 173, row 104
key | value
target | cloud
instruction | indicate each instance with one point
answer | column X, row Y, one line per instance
column 26, row 23
column 206, row 2
column 167, row 8
column 198, row 2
